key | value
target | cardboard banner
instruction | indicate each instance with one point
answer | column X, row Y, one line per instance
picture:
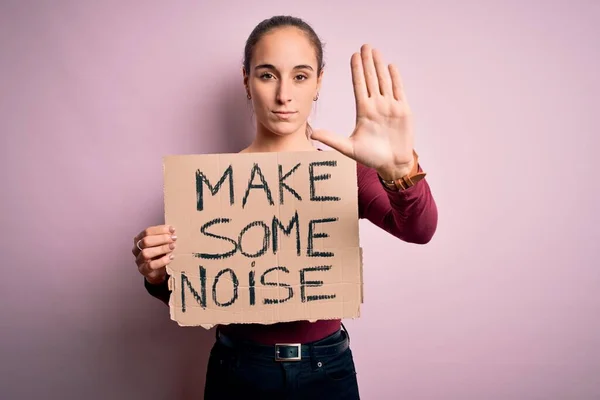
column 263, row 237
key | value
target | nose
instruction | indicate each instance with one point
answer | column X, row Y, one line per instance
column 284, row 92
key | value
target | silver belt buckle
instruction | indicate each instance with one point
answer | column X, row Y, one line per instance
column 296, row 345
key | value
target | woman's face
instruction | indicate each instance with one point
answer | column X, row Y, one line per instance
column 283, row 80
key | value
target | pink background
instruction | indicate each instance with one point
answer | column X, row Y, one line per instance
column 503, row 303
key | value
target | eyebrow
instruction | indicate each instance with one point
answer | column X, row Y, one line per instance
column 272, row 67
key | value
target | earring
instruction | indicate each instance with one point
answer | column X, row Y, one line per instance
column 316, row 97
column 248, row 95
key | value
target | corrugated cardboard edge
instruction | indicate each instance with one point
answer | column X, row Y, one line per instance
column 171, row 281
column 362, row 282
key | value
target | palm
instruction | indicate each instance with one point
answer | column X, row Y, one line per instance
column 383, row 137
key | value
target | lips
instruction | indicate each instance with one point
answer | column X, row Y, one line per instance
column 284, row 114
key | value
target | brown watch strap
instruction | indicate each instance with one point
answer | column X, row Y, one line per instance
column 407, row 180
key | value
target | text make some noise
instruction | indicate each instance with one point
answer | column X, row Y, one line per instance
column 227, row 278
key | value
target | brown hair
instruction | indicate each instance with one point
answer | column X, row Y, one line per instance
column 282, row 21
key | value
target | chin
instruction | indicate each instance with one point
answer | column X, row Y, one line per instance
column 282, row 129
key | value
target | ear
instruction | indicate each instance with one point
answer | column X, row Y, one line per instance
column 320, row 80
column 245, row 77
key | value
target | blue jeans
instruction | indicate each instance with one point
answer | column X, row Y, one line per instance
column 238, row 372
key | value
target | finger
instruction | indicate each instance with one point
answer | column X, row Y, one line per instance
column 397, row 85
column 383, row 75
column 369, row 70
column 161, row 262
column 154, row 230
column 151, row 253
column 152, row 240
column 358, row 79
column 150, row 267
column 156, row 240
column 335, row 141
column 136, row 250
column 152, row 274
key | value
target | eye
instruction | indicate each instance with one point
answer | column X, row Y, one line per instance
column 301, row 77
column 266, row 75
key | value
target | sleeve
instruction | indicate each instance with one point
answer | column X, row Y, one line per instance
column 160, row 291
column 410, row 215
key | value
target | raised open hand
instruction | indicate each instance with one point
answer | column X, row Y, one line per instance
column 383, row 137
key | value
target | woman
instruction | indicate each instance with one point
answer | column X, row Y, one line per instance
column 283, row 71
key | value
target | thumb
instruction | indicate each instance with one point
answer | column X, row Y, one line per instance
column 333, row 140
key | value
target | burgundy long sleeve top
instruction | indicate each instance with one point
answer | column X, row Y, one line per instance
column 409, row 215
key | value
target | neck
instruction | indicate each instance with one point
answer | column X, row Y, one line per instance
column 267, row 141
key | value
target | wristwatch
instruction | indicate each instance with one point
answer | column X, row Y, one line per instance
column 407, row 180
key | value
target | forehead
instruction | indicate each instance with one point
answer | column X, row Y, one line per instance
column 285, row 48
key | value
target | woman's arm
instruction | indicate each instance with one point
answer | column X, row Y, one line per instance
column 410, row 215
column 382, row 143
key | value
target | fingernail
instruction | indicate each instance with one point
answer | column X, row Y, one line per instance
column 171, row 256
column 174, row 237
column 172, row 246
column 171, row 229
